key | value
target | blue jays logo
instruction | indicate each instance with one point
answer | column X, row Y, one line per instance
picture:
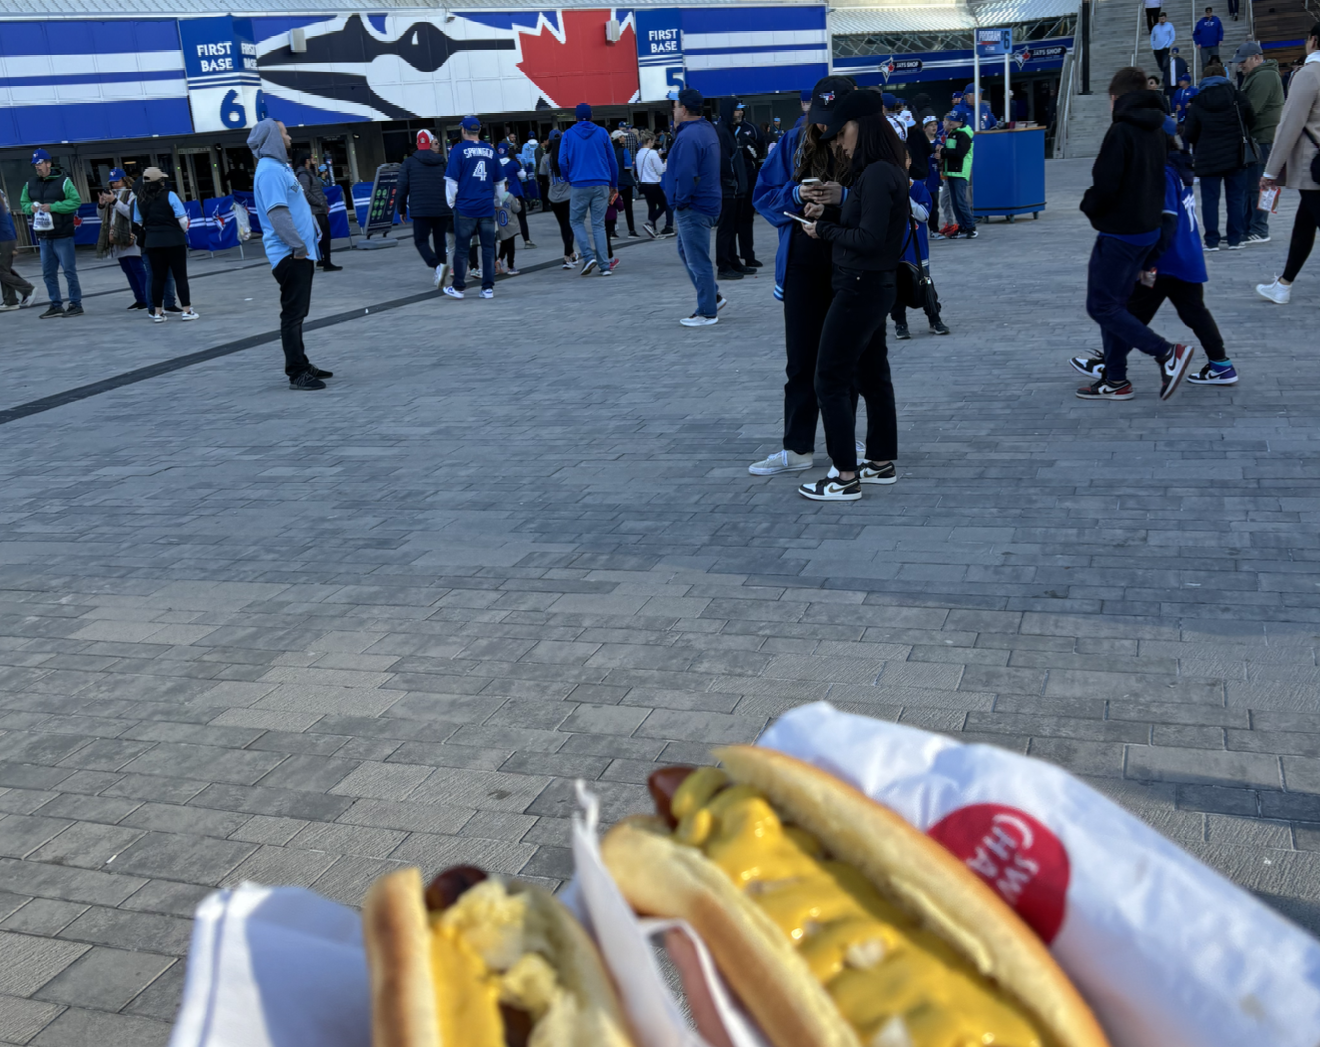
column 827, row 97
column 887, row 69
column 1021, row 58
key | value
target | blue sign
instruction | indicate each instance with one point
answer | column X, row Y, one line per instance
column 873, row 70
column 224, row 85
column 994, row 43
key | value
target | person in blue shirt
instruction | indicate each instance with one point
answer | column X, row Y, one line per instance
column 984, row 120
column 474, row 180
column 692, row 188
column 1161, row 40
column 1208, row 35
column 289, row 235
column 588, row 164
column 519, row 186
column 1182, row 98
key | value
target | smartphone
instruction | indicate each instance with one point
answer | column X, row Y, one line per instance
column 799, row 218
column 810, row 181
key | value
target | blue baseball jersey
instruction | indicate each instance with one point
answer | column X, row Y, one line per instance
column 1184, row 259
column 475, row 168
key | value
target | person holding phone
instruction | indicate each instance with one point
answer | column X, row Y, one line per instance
column 867, row 242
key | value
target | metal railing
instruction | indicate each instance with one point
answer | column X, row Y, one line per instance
column 1065, row 111
column 1136, row 39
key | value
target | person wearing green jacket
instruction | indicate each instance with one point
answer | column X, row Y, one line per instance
column 52, row 200
column 956, row 159
column 1263, row 87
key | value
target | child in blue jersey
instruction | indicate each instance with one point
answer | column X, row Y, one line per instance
column 1175, row 272
column 917, row 251
column 474, row 180
column 1182, row 98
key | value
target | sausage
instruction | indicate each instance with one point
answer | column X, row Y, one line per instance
column 449, row 886
column 663, row 784
column 517, row 1026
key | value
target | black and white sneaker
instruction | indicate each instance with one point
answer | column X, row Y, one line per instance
column 873, row 473
column 970, row 235
column 648, row 229
column 54, row 310
column 901, row 332
column 316, row 372
column 1210, row 375
column 305, row 381
column 832, row 489
column 1092, row 366
column 1106, row 390
column 720, row 302
column 1173, row 367
column 588, row 267
column 938, row 327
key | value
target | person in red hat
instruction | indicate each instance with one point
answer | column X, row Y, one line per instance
column 421, row 197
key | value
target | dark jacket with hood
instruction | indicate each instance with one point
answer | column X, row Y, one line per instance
column 422, row 186
column 733, row 175
column 873, row 222
column 1126, row 197
column 1212, row 127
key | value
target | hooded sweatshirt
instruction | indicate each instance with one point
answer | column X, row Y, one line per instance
column 279, row 198
column 1213, row 129
column 586, row 156
column 733, row 176
column 1126, row 197
column 1263, row 88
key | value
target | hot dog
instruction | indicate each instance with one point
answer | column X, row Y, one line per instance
column 473, row 962
column 836, row 922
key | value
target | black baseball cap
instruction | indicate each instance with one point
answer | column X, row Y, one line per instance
column 854, row 106
column 826, row 95
column 691, row 99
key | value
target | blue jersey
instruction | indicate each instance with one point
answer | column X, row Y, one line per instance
column 1182, row 101
column 1183, row 260
column 475, row 169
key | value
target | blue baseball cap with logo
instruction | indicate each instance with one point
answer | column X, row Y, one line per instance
column 117, row 174
column 40, row 155
column 470, row 123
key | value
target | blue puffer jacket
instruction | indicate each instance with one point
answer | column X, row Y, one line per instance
column 422, row 186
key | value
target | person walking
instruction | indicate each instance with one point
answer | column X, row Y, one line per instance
column 314, row 190
column 289, row 234
column 1162, row 38
column 1125, row 205
column 117, row 238
column 1295, row 149
column 733, row 185
column 692, row 188
column 559, row 194
column 624, row 160
column 751, row 150
column 866, row 242
column 52, row 200
column 1208, row 35
column 650, row 173
column 1263, row 89
column 1219, row 125
column 956, row 158
column 474, row 181
column 421, row 196
column 161, row 214
column 513, row 174
column 18, row 293
column 586, row 160
column 1152, row 13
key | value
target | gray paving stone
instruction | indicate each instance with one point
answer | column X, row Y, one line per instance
column 105, row 979
column 178, row 856
column 27, row 962
column 43, row 916
column 22, row 1019
column 77, row 1027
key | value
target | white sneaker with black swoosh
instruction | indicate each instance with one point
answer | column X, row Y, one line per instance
column 831, row 488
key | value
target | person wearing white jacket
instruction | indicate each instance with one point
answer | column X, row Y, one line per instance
column 650, row 170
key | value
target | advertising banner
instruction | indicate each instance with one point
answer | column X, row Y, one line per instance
column 220, row 58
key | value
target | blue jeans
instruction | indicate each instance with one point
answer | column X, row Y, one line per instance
column 693, row 229
column 962, row 210
column 57, row 255
column 133, row 269
column 1257, row 221
column 1235, row 189
column 171, row 302
column 464, row 227
column 593, row 198
column 1111, row 278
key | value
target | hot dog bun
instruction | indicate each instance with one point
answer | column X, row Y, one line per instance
column 660, row 875
column 568, row 999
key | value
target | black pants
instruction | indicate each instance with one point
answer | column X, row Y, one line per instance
column 657, row 205
column 294, row 275
column 323, row 244
column 746, row 216
column 522, row 222
column 808, row 293
column 166, row 260
column 427, row 231
column 507, row 248
column 852, row 350
column 1152, row 18
column 1189, row 301
column 626, row 193
column 726, row 235
column 1161, row 58
column 932, row 307
column 561, row 210
column 1305, row 224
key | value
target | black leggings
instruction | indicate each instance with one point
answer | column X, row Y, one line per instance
column 565, row 229
column 852, row 350
column 522, row 222
column 656, row 204
column 166, row 260
column 808, row 293
column 507, row 248
column 1189, row 300
column 1303, row 233
column 625, row 205
column 932, row 307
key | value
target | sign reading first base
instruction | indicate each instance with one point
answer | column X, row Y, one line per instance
column 220, row 60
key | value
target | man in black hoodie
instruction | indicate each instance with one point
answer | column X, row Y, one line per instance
column 1125, row 205
column 733, row 185
column 421, row 196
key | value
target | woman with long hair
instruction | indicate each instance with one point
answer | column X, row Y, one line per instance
column 558, row 195
column 866, row 243
column 650, row 172
column 161, row 213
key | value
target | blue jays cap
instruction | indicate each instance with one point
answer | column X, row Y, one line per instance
column 969, row 89
column 826, row 95
column 117, row 174
column 40, row 155
column 954, row 117
column 470, row 123
column 890, row 100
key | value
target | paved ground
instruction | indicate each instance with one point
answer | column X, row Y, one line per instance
column 248, row 634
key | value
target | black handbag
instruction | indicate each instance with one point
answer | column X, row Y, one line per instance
column 1248, row 150
column 913, row 283
column 1315, row 157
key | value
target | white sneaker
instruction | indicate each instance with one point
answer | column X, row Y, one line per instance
column 486, row 292
column 8, row 308
column 157, row 318
column 1276, row 292
column 697, row 320
column 453, row 292
column 784, row 461
column 440, row 271
column 190, row 314
column 26, row 300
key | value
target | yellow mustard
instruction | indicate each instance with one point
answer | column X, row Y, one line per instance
column 467, row 991
column 896, row 983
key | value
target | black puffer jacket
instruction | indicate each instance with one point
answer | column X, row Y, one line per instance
column 873, row 221
column 1213, row 130
column 422, row 186
column 1127, row 191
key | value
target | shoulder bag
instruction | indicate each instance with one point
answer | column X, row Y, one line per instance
column 1248, row 150
column 913, row 283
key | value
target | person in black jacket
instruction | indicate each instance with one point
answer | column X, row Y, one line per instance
column 751, row 150
column 627, row 161
column 162, row 215
column 1219, row 122
column 305, row 172
column 1125, row 205
column 867, row 243
column 421, row 196
column 733, row 186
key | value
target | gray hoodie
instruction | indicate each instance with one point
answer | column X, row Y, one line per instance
column 266, row 140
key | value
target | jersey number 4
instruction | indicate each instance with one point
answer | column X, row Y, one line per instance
column 479, row 172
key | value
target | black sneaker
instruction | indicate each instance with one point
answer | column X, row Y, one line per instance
column 173, row 309
column 1092, row 367
column 938, row 328
column 328, row 268
column 871, row 473
column 138, row 305
column 753, row 263
column 720, row 302
column 832, row 489
column 1106, row 390
column 306, row 380
column 588, row 267
column 729, row 274
column 1173, row 367
column 54, row 310
column 901, row 332
column 316, row 372
column 74, row 310
column 970, row 235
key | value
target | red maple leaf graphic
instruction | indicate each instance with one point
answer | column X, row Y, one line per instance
column 585, row 67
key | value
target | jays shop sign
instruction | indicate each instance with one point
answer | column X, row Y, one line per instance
column 220, row 60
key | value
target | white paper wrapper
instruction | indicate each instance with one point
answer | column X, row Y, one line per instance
column 1168, row 952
